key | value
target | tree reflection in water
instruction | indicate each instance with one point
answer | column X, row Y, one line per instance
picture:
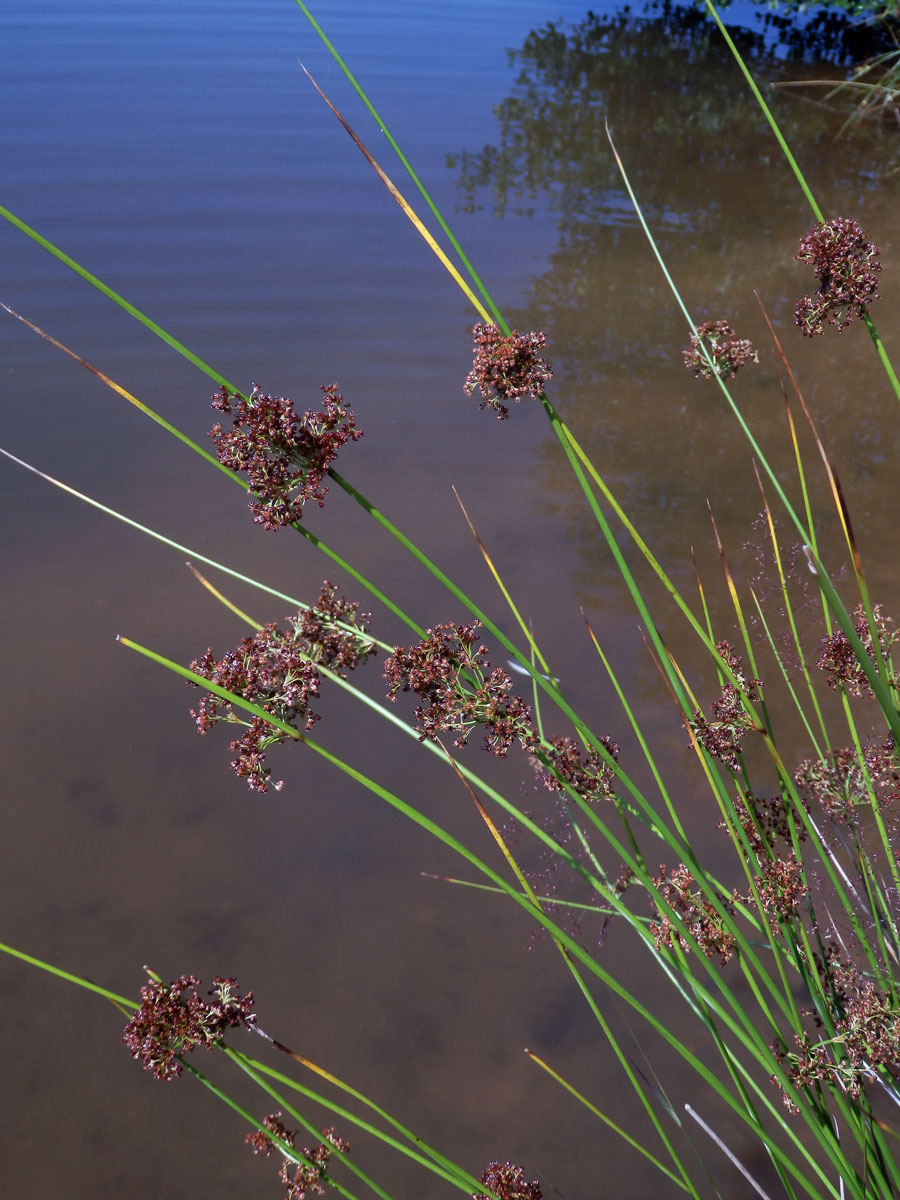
column 727, row 214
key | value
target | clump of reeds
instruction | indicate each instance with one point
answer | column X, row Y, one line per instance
column 792, row 977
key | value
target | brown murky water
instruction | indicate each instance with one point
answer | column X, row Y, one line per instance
column 178, row 153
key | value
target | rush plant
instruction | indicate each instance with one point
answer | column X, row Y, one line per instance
column 790, row 979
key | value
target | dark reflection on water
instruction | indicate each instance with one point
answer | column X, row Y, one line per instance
column 661, row 79
column 175, row 151
column 726, row 213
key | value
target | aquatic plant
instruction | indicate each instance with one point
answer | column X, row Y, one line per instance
column 843, row 260
column 715, row 342
column 284, row 456
column 789, row 979
column 507, row 367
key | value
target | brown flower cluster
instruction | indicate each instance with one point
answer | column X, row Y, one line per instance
column 507, row 368
column 843, row 260
column 260, row 1142
column 299, row 1179
column 840, row 664
column 173, row 1020
column 807, row 1067
column 724, row 735
column 508, row 1182
column 584, row 770
column 866, row 1039
column 276, row 669
column 781, row 886
column 285, row 456
column 727, row 352
column 841, row 783
column 704, row 924
column 765, row 822
column 450, row 673
column 779, row 878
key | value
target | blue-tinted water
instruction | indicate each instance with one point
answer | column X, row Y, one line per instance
column 178, row 152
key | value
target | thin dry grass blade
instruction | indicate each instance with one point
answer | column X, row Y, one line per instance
column 498, row 838
column 502, row 586
column 116, row 387
column 788, row 606
column 408, row 210
column 729, row 1154
column 842, row 511
column 833, row 483
column 48, row 337
column 222, row 598
column 723, row 558
column 745, row 632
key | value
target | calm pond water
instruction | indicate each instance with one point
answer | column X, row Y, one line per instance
column 178, row 152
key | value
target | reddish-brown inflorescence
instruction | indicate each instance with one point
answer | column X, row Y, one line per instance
column 507, row 368
column 781, row 886
column 584, row 770
column 838, row 660
column 726, row 350
column 765, row 822
column 843, row 259
column 450, row 672
column 261, row 1143
column 508, row 1182
column 843, row 783
column 723, row 736
column 299, row 1178
column 173, row 1020
column 701, row 919
column 276, row 669
column 284, row 456
column 866, row 1041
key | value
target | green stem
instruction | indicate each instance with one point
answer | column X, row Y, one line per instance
column 122, row 1001
column 473, row 274
column 116, row 299
column 767, row 113
column 292, row 1154
column 799, row 176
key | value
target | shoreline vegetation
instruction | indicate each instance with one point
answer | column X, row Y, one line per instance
column 790, row 979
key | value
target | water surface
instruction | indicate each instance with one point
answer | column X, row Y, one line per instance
column 178, row 152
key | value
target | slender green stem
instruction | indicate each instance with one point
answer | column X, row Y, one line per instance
column 800, row 177
column 868, row 667
column 116, row 298
column 288, row 1151
column 744, row 1031
column 488, row 299
column 87, row 984
column 882, row 354
column 767, row 113
column 421, row 1151
column 607, row 1120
